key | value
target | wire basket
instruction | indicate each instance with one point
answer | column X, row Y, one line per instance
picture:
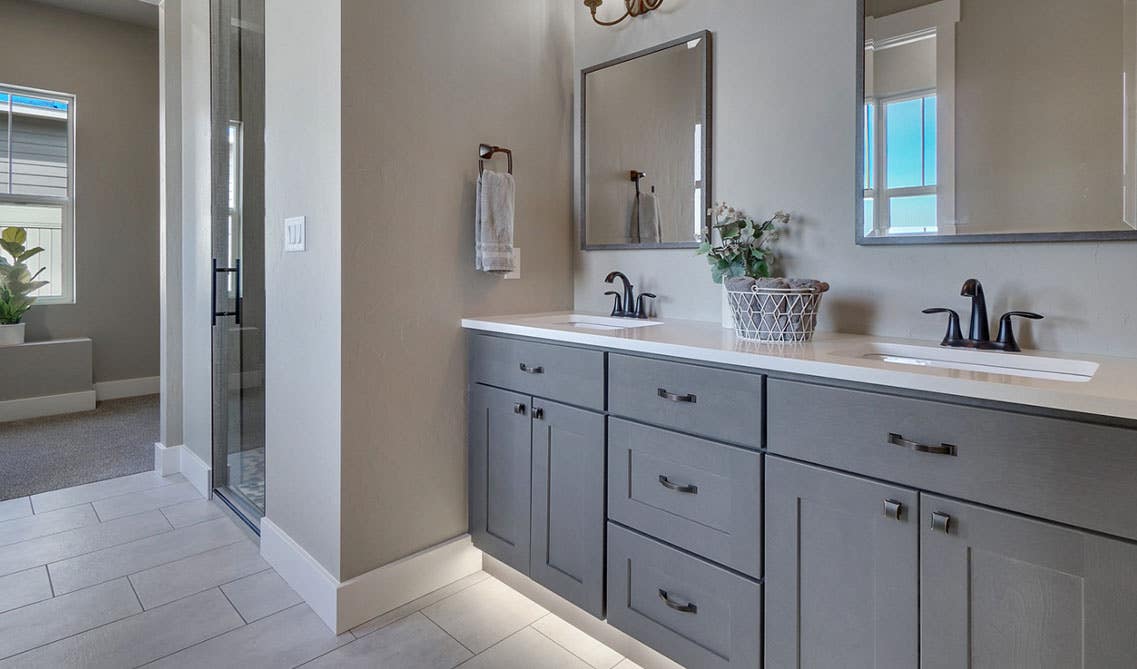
column 775, row 314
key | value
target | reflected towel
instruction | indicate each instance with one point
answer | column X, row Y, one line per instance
column 493, row 223
column 644, row 226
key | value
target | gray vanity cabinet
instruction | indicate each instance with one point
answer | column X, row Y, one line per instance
column 1002, row 591
column 841, row 586
column 568, row 503
column 500, row 437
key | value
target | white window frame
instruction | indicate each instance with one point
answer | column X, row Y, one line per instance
column 67, row 204
column 938, row 19
column 881, row 193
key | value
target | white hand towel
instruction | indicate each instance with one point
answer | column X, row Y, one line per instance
column 493, row 223
column 648, row 219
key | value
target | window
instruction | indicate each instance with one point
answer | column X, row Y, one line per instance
column 37, row 184
column 901, row 165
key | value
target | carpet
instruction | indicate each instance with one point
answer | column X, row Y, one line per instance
column 43, row 454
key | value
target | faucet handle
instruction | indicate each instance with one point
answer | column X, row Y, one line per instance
column 1006, row 340
column 641, row 308
column 954, row 336
column 618, row 306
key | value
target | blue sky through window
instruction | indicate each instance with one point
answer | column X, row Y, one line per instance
column 33, row 102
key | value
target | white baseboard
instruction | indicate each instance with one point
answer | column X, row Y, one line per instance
column 167, row 459
column 344, row 605
column 179, row 459
column 116, row 390
column 48, row 405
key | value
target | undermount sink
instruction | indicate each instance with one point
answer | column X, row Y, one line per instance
column 588, row 322
column 970, row 360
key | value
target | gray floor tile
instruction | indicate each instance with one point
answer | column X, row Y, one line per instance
column 15, row 508
column 484, row 614
column 55, row 547
column 260, row 595
column 286, row 639
column 525, row 650
column 136, row 556
column 174, row 580
column 43, row 524
column 419, row 604
column 411, row 643
column 193, row 512
column 131, row 503
column 23, row 588
column 89, row 492
column 578, row 643
column 54, row 619
column 138, row 639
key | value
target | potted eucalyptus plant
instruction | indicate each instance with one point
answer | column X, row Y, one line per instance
column 17, row 284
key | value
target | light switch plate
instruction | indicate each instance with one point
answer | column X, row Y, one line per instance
column 294, row 234
column 516, row 274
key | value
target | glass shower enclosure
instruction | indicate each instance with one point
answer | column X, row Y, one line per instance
column 238, row 213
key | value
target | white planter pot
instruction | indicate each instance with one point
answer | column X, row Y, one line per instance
column 11, row 335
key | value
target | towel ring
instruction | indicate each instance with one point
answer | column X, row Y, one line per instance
column 487, row 151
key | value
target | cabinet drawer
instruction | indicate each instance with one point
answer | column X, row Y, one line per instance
column 1075, row 473
column 570, row 375
column 697, row 494
column 696, row 613
column 714, row 403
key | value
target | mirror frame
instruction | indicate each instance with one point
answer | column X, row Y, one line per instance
column 907, row 240
column 708, row 144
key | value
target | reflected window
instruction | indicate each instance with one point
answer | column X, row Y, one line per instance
column 900, row 152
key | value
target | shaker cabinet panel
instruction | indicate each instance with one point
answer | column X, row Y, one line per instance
column 1000, row 591
column 841, row 586
column 568, row 503
column 499, row 442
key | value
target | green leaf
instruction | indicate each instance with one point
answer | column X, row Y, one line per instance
column 30, row 253
column 14, row 235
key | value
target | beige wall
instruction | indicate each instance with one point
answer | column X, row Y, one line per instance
column 112, row 68
column 784, row 138
column 302, row 300
column 423, row 84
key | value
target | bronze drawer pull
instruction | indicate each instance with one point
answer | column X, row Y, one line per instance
column 687, row 489
column 941, row 522
column 672, row 397
column 681, row 608
column 893, row 510
column 942, row 449
column 532, row 370
column 519, row 409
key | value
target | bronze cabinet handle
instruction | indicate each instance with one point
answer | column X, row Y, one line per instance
column 532, row 370
column 689, row 607
column 686, row 489
column 941, row 522
column 898, row 440
column 672, row 397
column 519, row 409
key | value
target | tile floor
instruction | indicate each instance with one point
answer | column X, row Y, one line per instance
column 138, row 571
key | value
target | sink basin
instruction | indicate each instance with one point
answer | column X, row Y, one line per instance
column 588, row 322
column 970, row 360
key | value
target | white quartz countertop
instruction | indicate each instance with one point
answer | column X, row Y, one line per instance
column 1111, row 392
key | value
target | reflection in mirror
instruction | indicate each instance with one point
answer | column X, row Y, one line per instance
column 646, row 148
column 999, row 120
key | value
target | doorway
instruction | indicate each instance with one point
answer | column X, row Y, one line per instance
column 237, row 108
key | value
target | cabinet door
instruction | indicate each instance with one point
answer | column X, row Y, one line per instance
column 568, row 503
column 841, row 565
column 1000, row 591
column 499, row 441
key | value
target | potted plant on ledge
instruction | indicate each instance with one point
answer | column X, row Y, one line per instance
column 17, row 284
column 761, row 308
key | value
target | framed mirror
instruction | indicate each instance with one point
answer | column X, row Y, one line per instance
column 646, row 148
column 997, row 121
